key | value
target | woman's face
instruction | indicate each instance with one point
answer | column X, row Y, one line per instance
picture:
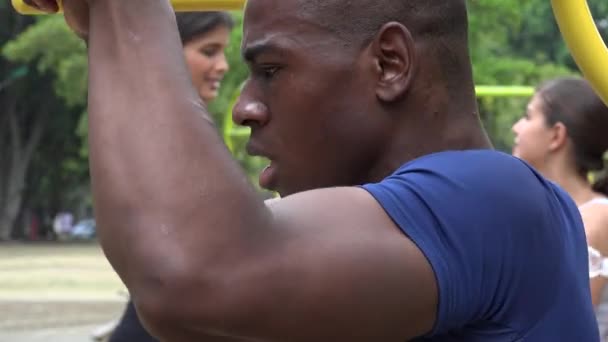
column 206, row 60
column 532, row 135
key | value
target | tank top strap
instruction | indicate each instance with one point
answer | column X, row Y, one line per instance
column 597, row 200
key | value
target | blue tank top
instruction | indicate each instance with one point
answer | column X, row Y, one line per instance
column 506, row 245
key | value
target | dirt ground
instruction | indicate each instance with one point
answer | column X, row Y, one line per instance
column 56, row 292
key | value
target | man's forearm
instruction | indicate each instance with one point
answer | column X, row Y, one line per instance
column 166, row 189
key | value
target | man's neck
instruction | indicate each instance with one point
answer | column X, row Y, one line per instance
column 412, row 143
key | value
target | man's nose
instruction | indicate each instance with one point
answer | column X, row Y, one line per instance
column 249, row 112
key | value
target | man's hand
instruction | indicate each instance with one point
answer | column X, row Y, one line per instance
column 76, row 13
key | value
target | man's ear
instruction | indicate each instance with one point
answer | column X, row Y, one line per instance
column 395, row 58
column 559, row 136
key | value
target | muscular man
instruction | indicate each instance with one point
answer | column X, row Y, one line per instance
column 398, row 220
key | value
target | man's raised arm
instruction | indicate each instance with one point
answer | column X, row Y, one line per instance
column 165, row 187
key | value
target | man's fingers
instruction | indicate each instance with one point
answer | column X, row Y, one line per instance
column 77, row 16
column 44, row 5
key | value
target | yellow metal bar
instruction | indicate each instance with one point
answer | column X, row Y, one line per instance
column 504, row 91
column 178, row 5
column 584, row 41
column 230, row 130
column 240, row 132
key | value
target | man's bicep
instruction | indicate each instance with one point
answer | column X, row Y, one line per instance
column 342, row 271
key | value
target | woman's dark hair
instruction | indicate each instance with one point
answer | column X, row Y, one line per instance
column 573, row 102
column 194, row 24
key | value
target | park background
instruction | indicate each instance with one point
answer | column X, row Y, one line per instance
column 64, row 287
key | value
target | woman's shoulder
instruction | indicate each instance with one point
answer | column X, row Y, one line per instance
column 596, row 208
column 595, row 218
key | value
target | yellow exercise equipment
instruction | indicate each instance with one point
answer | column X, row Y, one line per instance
column 584, row 42
column 573, row 17
column 178, row 5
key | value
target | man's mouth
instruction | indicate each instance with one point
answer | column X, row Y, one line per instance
column 267, row 176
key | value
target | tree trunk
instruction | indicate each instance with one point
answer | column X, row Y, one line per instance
column 4, row 159
column 14, row 173
column 17, row 144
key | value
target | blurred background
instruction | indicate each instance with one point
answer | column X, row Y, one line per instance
column 55, row 284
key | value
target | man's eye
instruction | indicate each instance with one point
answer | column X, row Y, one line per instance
column 269, row 71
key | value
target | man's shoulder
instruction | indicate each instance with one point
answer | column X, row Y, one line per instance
column 482, row 183
column 467, row 162
column 484, row 171
column 469, row 209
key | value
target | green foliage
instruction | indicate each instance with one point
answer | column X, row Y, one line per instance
column 56, row 50
column 54, row 91
column 235, row 77
column 490, row 23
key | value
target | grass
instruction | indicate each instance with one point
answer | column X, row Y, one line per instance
column 55, row 287
column 51, row 271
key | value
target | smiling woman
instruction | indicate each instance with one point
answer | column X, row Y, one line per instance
column 205, row 37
